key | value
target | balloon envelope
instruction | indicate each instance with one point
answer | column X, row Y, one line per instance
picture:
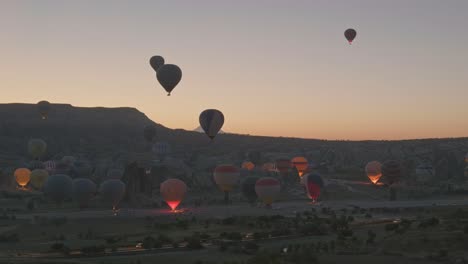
column 211, row 121
column 173, row 192
column 43, row 108
column 22, row 176
column 248, row 165
column 226, row 177
column 267, row 189
column 83, row 191
column 38, row 178
column 313, row 184
column 350, row 34
column 112, row 191
column 283, row 165
column 374, row 171
column 49, row 166
column 37, row 148
column 301, row 164
column 156, row 62
column 58, row 187
column 169, row 75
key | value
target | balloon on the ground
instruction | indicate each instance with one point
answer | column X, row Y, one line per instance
column 267, row 189
column 211, row 121
column 169, row 75
column 35, row 164
column 112, row 192
column 248, row 165
column 226, row 177
column 22, row 176
column 50, row 166
column 43, row 107
column 391, row 171
column 37, row 148
column 248, row 188
column 350, row 34
column 301, row 164
column 156, row 62
column 173, row 192
column 83, row 191
column 374, row 171
column 283, row 165
column 58, row 187
column 313, row 183
column 38, row 178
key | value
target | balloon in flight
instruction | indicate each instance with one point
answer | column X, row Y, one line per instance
column 211, row 121
column 22, row 176
column 43, row 108
column 374, row 171
column 350, row 34
column 173, row 192
column 156, row 62
column 267, row 189
column 169, row 75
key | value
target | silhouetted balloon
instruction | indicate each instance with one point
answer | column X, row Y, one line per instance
column 169, row 75
column 374, row 171
column 350, row 34
column 112, row 191
column 58, row 187
column 301, row 165
column 283, row 166
column 248, row 165
column 313, row 184
column 43, row 107
column 149, row 132
column 22, row 176
column 267, row 189
column 173, row 192
column 248, row 188
column 391, row 171
column 38, row 178
column 211, row 121
column 156, row 62
column 37, row 148
column 83, row 191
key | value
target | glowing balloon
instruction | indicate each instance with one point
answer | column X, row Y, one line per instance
column 37, row 148
column 350, row 34
column 43, row 108
column 313, row 183
column 38, row 178
column 156, row 62
column 248, row 165
column 83, row 191
column 169, row 75
column 374, row 171
column 112, row 192
column 22, row 176
column 58, row 187
column 173, row 192
column 267, row 189
column 211, row 121
column 301, row 165
column 391, row 171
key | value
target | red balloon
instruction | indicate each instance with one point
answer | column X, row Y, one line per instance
column 173, row 192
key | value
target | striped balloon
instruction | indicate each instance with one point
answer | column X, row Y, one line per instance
column 301, row 165
column 211, row 121
column 267, row 189
column 173, row 192
column 313, row 184
column 391, row 171
column 226, row 177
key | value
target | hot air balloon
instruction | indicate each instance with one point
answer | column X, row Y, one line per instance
column 211, row 121
column 374, row 171
column 391, row 171
column 43, row 107
column 37, row 148
column 313, row 184
column 112, row 191
column 38, row 178
column 83, row 191
column 226, row 177
column 149, row 132
column 350, row 34
column 248, row 165
column 283, row 166
column 169, row 75
column 173, row 192
column 156, row 62
column 267, row 189
column 248, row 188
column 58, row 187
column 49, row 166
column 22, row 176
column 301, row 165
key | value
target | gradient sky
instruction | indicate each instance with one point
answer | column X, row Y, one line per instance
column 279, row 68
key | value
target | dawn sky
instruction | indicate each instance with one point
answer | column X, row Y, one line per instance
column 278, row 68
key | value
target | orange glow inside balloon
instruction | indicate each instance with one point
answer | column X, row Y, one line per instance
column 374, row 178
column 173, row 204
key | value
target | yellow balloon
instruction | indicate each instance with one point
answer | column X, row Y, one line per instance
column 38, row 178
column 22, row 176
